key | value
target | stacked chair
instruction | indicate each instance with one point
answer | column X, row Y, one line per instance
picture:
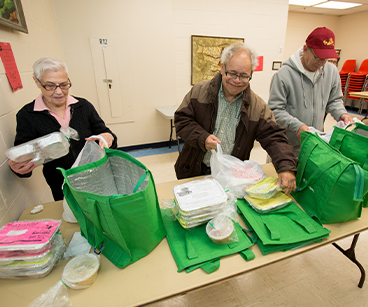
column 356, row 81
column 348, row 67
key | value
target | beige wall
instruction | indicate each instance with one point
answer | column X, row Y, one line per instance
column 153, row 40
column 43, row 39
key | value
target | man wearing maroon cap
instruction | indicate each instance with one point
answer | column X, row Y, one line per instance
column 306, row 87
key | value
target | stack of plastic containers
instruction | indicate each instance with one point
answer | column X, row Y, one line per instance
column 30, row 249
column 198, row 201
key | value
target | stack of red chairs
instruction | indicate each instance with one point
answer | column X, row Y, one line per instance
column 347, row 68
column 356, row 81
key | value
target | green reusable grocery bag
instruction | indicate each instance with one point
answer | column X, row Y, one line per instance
column 192, row 249
column 330, row 185
column 283, row 229
column 115, row 203
column 354, row 145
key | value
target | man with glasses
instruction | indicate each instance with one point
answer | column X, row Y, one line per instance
column 225, row 110
column 306, row 87
column 52, row 110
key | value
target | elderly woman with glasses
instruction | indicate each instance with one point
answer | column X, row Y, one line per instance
column 53, row 109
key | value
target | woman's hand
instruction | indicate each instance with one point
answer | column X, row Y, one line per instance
column 22, row 167
column 107, row 137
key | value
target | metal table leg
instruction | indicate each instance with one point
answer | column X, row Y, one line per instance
column 171, row 132
column 350, row 253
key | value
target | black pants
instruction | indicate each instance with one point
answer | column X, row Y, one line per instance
column 205, row 170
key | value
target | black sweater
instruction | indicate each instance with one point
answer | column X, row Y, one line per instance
column 34, row 124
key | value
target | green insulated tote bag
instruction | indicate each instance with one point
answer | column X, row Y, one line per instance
column 330, row 185
column 115, row 203
column 354, row 145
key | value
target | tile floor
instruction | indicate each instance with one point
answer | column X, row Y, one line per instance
column 323, row 277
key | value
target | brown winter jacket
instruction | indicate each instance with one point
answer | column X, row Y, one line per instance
column 195, row 121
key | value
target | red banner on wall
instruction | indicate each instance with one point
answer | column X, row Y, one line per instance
column 259, row 67
column 10, row 66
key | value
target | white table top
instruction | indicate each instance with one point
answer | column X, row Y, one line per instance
column 167, row 112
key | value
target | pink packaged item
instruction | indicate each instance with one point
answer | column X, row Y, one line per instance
column 33, row 236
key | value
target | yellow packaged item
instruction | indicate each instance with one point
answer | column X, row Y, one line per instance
column 264, row 189
column 279, row 200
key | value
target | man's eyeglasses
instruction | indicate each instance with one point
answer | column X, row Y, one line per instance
column 52, row 86
column 316, row 57
column 233, row 76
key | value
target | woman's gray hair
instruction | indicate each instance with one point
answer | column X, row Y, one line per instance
column 229, row 52
column 47, row 63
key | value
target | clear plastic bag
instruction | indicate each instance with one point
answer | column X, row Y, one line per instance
column 56, row 296
column 233, row 174
column 91, row 152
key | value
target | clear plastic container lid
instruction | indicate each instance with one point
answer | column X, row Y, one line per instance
column 81, row 271
column 28, row 235
column 279, row 200
column 199, row 194
column 41, row 150
column 264, row 189
column 219, row 229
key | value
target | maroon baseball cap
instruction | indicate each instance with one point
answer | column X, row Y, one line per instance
column 322, row 41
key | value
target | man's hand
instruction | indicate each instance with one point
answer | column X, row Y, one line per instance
column 346, row 118
column 107, row 137
column 22, row 167
column 211, row 142
column 302, row 128
column 287, row 181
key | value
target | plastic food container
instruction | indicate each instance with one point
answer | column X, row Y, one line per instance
column 264, row 189
column 198, row 201
column 81, row 271
column 278, row 201
column 35, row 267
column 41, row 150
column 219, row 229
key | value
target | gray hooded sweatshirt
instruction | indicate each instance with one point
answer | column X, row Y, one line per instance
column 298, row 97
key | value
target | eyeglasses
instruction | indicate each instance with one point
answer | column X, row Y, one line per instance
column 333, row 61
column 244, row 78
column 52, row 87
column 316, row 57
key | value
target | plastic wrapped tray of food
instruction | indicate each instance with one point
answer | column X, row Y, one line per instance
column 279, row 200
column 264, row 189
column 27, row 236
column 36, row 268
column 41, row 150
column 197, row 195
column 13, row 256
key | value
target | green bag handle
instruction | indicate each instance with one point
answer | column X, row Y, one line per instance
column 208, row 266
column 272, row 227
column 247, row 254
column 272, row 224
column 191, row 253
column 112, row 226
column 337, row 142
column 361, row 126
column 140, row 181
column 211, row 266
column 359, row 183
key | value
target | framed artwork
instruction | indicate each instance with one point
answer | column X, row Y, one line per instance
column 206, row 55
column 11, row 15
column 276, row 65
